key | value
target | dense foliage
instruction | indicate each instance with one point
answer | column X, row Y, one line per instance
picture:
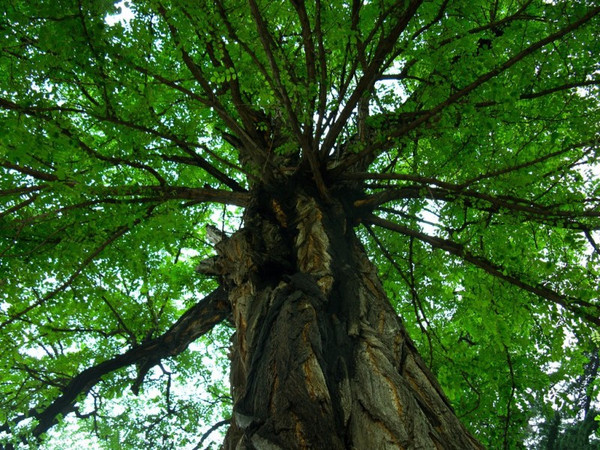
column 127, row 140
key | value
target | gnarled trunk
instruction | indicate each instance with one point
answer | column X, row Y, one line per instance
column 319, row 358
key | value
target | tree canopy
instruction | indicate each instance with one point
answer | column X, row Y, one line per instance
column 462, row 136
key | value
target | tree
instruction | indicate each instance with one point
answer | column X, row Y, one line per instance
column 577, row 434
column 323, row 179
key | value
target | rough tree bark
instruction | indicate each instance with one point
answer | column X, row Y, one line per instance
column 319, row 357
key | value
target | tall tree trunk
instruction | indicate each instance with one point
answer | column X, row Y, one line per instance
column 319, row 358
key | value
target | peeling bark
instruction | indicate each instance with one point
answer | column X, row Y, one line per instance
column 319, row 358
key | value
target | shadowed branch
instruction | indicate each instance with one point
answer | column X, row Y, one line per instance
column 195, row 322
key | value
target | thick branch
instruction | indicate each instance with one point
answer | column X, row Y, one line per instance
column 450, row 192
column 491, row 268
column 37, row 174
column 195, row 322
column 205, row 194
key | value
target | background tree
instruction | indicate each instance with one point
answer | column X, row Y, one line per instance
column 239, row 163
column 557, row 435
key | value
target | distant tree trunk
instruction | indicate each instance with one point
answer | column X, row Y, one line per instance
column 319, row 358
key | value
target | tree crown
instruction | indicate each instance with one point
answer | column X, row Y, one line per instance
column 460, row 137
